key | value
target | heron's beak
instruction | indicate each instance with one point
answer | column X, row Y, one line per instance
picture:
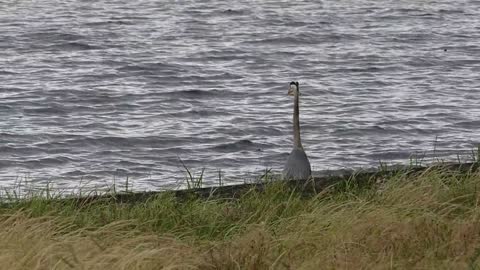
column 290, row 91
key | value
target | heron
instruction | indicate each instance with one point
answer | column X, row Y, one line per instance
column 297, row 166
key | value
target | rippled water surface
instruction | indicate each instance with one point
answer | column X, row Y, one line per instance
column 96, row 90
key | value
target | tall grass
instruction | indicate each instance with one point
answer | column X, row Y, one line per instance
column 427, row 220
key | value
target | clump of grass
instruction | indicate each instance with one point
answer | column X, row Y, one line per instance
column 429, row 219
column 194, row 182
column 53, row 243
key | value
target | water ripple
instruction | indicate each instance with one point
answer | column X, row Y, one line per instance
column 128, row 89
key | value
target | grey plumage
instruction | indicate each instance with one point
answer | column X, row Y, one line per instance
column 297, row 166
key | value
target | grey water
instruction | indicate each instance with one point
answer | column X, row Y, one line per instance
column 93, row 91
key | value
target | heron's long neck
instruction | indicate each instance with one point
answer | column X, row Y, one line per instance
column 296, row 122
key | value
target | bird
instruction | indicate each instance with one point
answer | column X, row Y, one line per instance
column 297, row 166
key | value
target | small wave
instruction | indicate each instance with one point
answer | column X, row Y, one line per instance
column 122, row 142
column 6, row 72
column 46, row 162
column 74, row 173
column 451, row 11
column 18, row 150
column 467, row 124
column 197, row 113
column 236, row 146
column 289, row 40
column 374, row 130
column 197, row 93
column 77, row 46
column 390, row 155
column 112, row 21
column 152, row 69
column 53, row 35
column 46, row 110
column 371, row 69
column 7, row 163
column 235, row 11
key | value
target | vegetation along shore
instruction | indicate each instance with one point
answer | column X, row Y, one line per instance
column 407, row 218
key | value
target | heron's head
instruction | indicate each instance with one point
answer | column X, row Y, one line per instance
column 293, row 89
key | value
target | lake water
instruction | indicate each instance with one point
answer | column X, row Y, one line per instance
column 93, row 91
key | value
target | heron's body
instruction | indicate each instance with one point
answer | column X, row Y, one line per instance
column 297, row 166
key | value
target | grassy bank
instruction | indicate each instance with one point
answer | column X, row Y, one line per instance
column 428, row 219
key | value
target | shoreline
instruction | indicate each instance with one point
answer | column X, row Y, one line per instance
column 313, row 185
